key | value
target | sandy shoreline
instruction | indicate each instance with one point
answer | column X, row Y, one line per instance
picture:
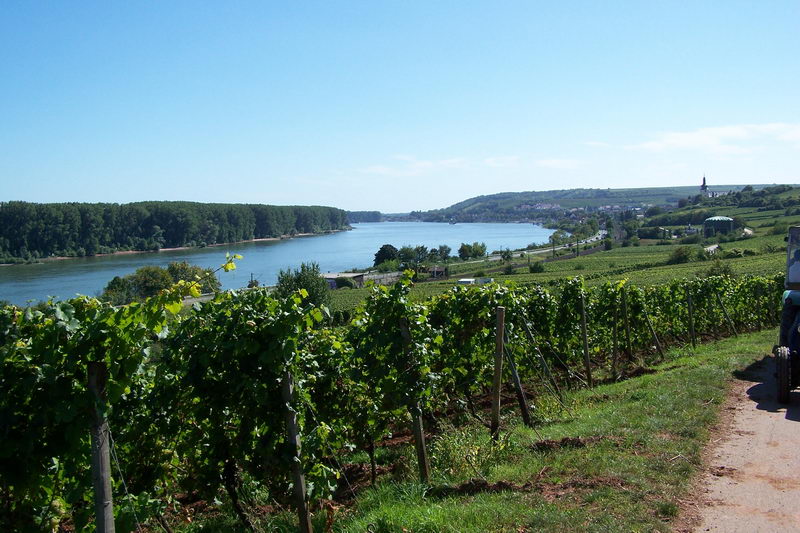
column 179, row 248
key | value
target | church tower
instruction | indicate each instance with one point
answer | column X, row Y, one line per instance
column 704, row 187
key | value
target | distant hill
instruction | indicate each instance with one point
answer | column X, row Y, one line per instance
column 538, row 205
column 765, row 206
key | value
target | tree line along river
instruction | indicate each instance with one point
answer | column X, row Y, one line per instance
column 263, row 260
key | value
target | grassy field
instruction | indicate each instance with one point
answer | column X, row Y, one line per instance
column 620, row 459
column 646, row 265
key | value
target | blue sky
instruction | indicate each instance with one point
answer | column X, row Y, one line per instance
column 392, row 105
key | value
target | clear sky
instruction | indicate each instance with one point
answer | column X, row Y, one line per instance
column 392, row 105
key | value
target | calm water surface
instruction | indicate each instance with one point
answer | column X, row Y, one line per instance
column 334, row 253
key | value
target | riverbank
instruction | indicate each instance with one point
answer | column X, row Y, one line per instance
column 336, row 252
column 178, row 248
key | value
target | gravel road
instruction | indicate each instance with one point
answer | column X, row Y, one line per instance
column 752, row 479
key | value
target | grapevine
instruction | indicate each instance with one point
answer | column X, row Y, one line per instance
column 196, row 406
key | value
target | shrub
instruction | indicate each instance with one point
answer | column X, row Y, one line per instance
column 183, row 271
column 736, row 252
column 718, row 268
column 780, row 228
column 536, row 268
column 307, row 277
column 148, row 280
column 389, row 266
column 682, row 254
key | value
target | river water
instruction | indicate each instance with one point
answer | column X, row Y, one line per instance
column 20, row 284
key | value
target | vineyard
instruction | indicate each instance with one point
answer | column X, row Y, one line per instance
column 641, row 265
column 249, row 388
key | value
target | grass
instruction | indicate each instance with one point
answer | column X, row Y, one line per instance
column 642, row 274
column 630, row 452
column 650, row 432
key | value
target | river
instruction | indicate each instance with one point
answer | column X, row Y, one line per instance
column 20, row 284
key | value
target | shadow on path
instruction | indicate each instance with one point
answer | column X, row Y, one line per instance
column 764, row 392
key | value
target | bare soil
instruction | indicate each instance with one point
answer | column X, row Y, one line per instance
column 751, row 480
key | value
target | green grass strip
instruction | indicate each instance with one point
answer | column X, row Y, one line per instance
column 641, row 443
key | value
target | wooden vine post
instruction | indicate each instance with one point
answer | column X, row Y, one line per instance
column 614, row 342
column 419, row 444
column 101, row 460
column 417, row 427
column 498, row 370
column 727, row 316
column 691, row 315
column 627, row 322
column 293, row 431
column 586, row 362
column 653, row 333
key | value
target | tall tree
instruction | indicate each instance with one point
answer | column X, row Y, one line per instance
column 387, row 252
column 465, row 251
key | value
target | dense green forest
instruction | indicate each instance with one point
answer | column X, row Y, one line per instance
column 363, row 216
column 30, row 230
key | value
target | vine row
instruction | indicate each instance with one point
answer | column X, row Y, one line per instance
column 198, row 400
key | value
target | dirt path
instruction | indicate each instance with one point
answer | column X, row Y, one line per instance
column 752, row 479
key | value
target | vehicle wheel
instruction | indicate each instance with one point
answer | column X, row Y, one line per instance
column 794, row 353
column 783, row 373
column 794, row 370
